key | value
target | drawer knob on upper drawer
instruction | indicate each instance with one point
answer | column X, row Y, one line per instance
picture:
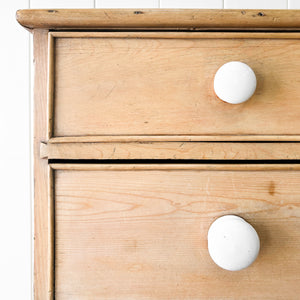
column 233, row 243
column 235, row 82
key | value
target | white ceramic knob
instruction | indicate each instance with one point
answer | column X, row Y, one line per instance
column 233, row 243
column 235, row 82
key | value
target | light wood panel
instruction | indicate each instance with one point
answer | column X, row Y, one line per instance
column 139, row 231
column 192, row 19
column 135, row 84
column 176, row 35
column 171, row 150
column 142, row 235
column 180, row 166
column 43, row 198
column 173, row 138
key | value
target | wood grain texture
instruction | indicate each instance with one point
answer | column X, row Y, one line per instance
column 43, row 198
column 50, row 85
column 171, row 150
column 192, row 19
column 142, row 235
column 176, row 35
column 178, row 166
column 125, row 231
column 128, row 85
column 173, row 138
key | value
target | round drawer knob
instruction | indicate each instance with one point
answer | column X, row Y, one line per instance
column 235, row 82
column 233, row 243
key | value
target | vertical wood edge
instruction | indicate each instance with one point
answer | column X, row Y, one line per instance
column 50, row 85
column 51, row 235
column 43, row 176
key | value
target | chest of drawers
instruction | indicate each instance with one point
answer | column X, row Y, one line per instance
column 136, row 156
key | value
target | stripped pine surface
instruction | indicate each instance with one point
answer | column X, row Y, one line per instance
column 141, row 234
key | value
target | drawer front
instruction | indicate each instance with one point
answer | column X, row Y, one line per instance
column 162, row 84
column 140, row 232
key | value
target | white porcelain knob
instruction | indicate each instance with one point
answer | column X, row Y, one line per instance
column 233, row 243
column 235, row 82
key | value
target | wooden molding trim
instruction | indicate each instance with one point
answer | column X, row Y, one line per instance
column 176, row 19
column 171, row 150
column 168, row 167
column 171, row 35
column 43, row 177
column 173, row 138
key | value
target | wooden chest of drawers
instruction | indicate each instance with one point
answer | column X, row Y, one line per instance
column 136, row 156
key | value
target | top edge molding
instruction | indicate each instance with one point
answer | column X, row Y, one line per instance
column 160, row 19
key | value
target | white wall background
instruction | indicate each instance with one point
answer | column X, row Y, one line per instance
column 15, row 126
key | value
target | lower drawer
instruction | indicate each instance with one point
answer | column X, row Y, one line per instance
column 140, row 231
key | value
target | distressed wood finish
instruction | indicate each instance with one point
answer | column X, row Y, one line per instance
column 138, row 231
column 174, row 138
column 43, row 198
column 178, row 35
column 142, row 235
column 171, row 150
column 140, row 84
column 191, row 19
column 182, row 166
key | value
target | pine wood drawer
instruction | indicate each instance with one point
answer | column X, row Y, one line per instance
column 140, row 231
column 147, row 83
column 138, row 84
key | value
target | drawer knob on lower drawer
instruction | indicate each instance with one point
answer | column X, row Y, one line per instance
column 233, row 243
column 235, row 82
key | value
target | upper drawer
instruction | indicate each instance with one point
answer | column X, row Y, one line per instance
column 146, row 83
